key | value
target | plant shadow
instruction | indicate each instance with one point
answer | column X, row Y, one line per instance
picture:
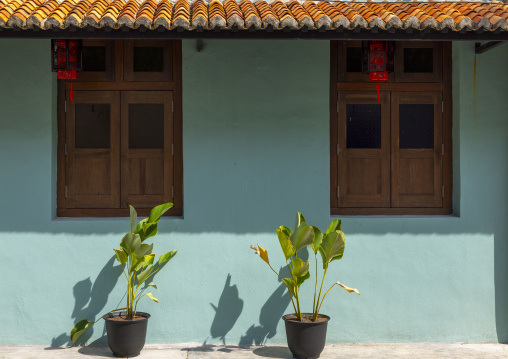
column 96, row 351
column 227, row 311
column 273, row 352
column 90, row 300
column 269, row 316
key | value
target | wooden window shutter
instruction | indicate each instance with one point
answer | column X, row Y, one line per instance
column 419, row 61
column 416, row 149
column 93, row 150
column 147, row 148
column 363, row 150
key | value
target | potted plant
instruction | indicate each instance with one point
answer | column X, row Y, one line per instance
column 306, row 332
column 126, row 327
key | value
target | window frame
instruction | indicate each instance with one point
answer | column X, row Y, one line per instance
column 119, row 84
column 340, row 82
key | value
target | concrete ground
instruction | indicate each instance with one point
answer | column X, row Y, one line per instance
column 197, row 351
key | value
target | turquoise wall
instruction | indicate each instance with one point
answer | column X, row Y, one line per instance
column 256, row 150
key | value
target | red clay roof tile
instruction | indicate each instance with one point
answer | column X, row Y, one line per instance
column 260, row 14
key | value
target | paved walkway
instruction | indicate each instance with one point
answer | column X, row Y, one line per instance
column 332, row 351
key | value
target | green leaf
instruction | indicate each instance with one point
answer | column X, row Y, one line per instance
column 130, row 242
column 151, row 284
column 139, row 227
column 166, row 257
column 149, row 295
column 334, row 226
column 121, row 256
column 134, row 218
column 136, row 242
column 150, row 230
column 144, row 275
column 149, row 259
column 137, row 262
column 318, row 238
column 157, row 212
column 299, row 267
column 332, row 247
column 290, row 284
column 285, row 242
column 300, row 280
column 143, row 250
column 286, row 230
column 80, row 328
column 300, row 219
column 302, row 236
column 126, row 243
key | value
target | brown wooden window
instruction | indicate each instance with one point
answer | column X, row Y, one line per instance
column 119, row 140
column 392, row 156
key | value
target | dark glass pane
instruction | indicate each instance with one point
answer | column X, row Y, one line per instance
column 363, row 126
column 146, row 126
column 416, row 126
column 418, row 60
column 94, row 58
column 92, row 125
column 148, row 59
column 354, row 59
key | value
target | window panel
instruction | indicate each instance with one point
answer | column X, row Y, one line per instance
column 98, row 59
column 416, row 126
column 92, row 128
column 419, row 60
column 94, row 58
column 147, row 155
column 363, row 126
column 148, row 59
column 146, row 125
column 92, row 150
column 354, row 59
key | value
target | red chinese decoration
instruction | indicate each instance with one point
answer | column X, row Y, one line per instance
column 66, row 59
column 377, row 64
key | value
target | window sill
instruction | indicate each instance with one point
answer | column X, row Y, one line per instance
column 111, row 213
column 391, row 211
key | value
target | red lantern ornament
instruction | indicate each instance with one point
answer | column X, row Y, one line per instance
column 66, row 59
column 377, row 64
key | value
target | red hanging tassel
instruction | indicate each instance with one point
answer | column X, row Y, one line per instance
column 72, row 97
column 378, row 87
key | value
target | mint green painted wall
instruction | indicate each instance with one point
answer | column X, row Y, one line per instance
column 256, row 151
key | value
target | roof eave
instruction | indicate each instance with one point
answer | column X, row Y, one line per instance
column 161, row 32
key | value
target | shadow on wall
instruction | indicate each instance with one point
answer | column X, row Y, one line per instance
column 90, row 300
column 227, row 311
column 271, row 312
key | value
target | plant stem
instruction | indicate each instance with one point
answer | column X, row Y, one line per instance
column 128, row 294
column 315, row 314
column 315, row 289
column 299, row 312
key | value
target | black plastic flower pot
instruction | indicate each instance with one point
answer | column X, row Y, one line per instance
column 126, row 338
column 306, row 340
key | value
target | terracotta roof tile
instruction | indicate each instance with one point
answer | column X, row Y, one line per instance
column 234, row 15
column 181, row 14
column 250, row 14
column 260, row 14
column 22, row 13
column 127, row 15
column 163, row 13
